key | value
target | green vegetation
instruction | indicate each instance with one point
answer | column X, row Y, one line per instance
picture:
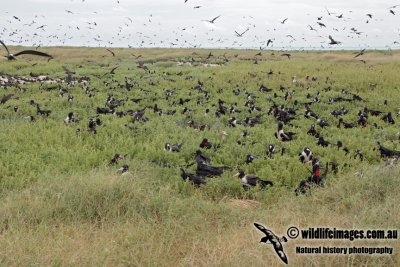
column 62, row 205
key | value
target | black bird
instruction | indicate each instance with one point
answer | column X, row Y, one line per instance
column 316, row 177
column 124, row 170
column 312, row 131
column 213, row 20
column 386, row 152
column 5, row 98
column 173, row 148
column 322, row 123
column 117, row 157
column 388, row 118
column 346, row 125
column 334, row 167
column 42, row 112
column 274, row 240
column 205, row 144
column 322, row 142
column 112, row 72
column 241, row 34
column 359, row 154
column 321, row 24
column 287, row 55
column 392, row 12
column 250, row 158
column 232, row 122
column 252, row 180
column 329, row 13
column 271, row 150
column 194, row 179
column 203, row 167
column 210, row 171
column 283, row 21
column 200, row 158
column 24, row 52
column 93, row 123
column 306, row 155
column 333, row 42
column 280, row 134
column 372, row 112
column 303, row 187
column 339, row 144
column 70, row 118
column 360, row 53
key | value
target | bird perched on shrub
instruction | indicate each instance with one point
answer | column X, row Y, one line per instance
column 252, row 180
column 305, row 156
column 284, row 136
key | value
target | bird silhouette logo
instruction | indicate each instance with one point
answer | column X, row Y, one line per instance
column 274, row 240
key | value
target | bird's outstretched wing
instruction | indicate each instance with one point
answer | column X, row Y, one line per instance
column 214, row 19
column 274, row 241
column 359, row 53
column 281, row 253
column 252, row 180
column 262, row 229
column 8, row 52
column 113, row 54
column 33, row 52
column 112, row 71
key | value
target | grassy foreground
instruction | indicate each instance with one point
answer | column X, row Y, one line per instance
column 103, row 219
column 61, row 205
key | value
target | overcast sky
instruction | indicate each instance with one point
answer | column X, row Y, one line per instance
column 173, row 23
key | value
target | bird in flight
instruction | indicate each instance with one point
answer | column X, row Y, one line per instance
column 391, row 11
column 283, row 21
column 241, row 34
column 274, row 240
column 329, row 13
column 213, row 20
column 333, row 42
column 112, row 53
column 24, row 52
column 360, row 53
column 312, row 29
